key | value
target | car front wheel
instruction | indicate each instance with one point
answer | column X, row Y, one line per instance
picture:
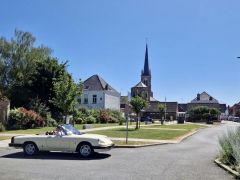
column 85, row 150
column 30, row 149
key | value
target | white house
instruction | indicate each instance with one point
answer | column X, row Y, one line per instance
column 98, row 94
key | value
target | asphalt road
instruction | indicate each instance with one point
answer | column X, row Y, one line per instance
column 191, row 159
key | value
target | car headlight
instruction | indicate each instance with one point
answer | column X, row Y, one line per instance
column 101, row 142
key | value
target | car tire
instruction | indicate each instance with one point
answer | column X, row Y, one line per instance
column 85, row 150
column 30, row 149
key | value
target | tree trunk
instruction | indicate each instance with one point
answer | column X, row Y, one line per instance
column 137, row 121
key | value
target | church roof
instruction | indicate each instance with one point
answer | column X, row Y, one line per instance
column 140, row 84
column 146, row 71
column 96, row 83
column 153, row 99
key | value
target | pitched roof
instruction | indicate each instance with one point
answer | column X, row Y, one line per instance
column 204, row 98
column 96, row 83
column 140, row 84
column 153, row 99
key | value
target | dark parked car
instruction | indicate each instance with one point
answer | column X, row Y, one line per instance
column 147, row 118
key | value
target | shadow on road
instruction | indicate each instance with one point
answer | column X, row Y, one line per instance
column 56, row 156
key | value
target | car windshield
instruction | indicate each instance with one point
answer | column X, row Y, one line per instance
column 72, row 129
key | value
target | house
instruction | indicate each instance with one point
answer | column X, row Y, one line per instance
column 204, row 99
column 235, row 110
column 98, row 94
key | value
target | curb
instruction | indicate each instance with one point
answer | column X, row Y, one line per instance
column 227, row 168
column 156, row 144
column 139, row 146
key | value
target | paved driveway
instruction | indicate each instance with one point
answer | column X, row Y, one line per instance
column 191, row 159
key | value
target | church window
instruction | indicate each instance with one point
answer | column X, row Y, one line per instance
column 145, row 81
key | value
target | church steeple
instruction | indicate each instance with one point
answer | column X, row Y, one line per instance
column 146, row 71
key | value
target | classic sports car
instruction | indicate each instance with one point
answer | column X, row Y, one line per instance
column 66, row 138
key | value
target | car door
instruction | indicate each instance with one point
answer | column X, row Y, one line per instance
column 57, row 143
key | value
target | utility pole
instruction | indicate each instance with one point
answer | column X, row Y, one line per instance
column 165, row 109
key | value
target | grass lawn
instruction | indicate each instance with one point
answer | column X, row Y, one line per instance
column 117, row 142
column 29, row 131
column 44, row 129
column 142, row 133
column 80, row 126
column 151, row 133
column 4, row 137
column 179, row 126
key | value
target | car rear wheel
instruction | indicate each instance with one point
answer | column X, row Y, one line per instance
column 30, row 149
column 85, row 150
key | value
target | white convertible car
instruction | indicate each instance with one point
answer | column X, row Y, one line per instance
column 66, row 139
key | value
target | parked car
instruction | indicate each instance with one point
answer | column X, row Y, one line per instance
column 146, row 119
column 236, row 119
column 66, row 138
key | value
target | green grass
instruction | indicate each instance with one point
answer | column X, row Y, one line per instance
column 80, row 126
column 142, row 133
column 178, row 126
column 118, row 142
column 44, row 129
column 29, row 131
column 4, row 137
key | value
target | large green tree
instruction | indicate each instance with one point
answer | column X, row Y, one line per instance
column 138, row 104
column 18, row 62
column 66, row 92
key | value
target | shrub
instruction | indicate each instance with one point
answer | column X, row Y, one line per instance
column 22, row 118
column 39, row 107
column 104, row 116
column 51, row 122
column 230, row 145
column 90, row 120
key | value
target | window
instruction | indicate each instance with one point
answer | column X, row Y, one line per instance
column 85, row 99
column 94, row 99
column 79, row 100
column 145, row 81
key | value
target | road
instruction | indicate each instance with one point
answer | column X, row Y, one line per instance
column 191, row 159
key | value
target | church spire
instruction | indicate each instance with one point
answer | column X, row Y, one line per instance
column 146, row 71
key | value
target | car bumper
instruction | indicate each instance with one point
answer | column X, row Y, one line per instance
column 15, row 145
column 103, row 148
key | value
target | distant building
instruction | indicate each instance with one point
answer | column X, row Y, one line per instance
column 144, row 89
column 98, row 94
column 235, row 110
column 204, row 99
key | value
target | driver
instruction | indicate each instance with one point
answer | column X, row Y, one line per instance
column 59, row 131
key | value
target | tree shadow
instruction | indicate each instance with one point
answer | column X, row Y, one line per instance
column 56, row 156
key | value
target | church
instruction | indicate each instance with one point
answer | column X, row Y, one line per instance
column 144, row 89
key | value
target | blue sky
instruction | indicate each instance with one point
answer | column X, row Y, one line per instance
column 193, row 44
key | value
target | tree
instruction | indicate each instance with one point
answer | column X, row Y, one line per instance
column 18, row 62
column 138, row 104
column 203, row 113
column 161, row 109
column 65, row 93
